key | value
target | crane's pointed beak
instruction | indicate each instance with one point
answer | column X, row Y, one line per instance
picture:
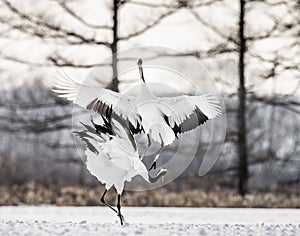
column 140, row 62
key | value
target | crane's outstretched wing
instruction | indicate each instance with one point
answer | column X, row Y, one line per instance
column 100, row 100
column 184, row 113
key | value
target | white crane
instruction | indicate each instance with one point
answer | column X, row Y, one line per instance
column 112, row 157
column 162, row 119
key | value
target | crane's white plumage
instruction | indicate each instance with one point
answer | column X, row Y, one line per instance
column 112, row 156
column 113, row 160
column 162, row 119
column 87, row 96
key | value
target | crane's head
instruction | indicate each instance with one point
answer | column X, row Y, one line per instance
column 140, row 62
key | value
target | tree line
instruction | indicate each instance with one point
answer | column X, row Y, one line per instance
column 243, row 40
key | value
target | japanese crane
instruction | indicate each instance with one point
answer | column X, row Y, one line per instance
column 112, row 157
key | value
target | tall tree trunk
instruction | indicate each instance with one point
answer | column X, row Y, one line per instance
column 242, row 130
column 114, row 47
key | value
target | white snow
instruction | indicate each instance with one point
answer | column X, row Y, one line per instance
column 45, row 220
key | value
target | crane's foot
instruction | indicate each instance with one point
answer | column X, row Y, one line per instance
column 153, row 166
column 119, row 210
column 122, row 219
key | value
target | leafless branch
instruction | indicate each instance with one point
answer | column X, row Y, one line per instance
column 60, row 61
column 271, row 32
column 44, row 29
column 289, row 105
column 179, row 4
column 21, row 61
column 63, row 4
column 214, row 28
column 148, row 26
column 152, row 5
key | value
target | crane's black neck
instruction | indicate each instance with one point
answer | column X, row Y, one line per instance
column 140, row 62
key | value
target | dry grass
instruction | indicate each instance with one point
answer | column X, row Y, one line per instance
column 32, row 194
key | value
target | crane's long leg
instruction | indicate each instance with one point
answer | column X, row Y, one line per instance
column 149, row 140
column 105, row 203
column 153, row 166
column 119, row 209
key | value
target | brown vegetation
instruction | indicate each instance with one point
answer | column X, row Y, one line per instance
column 32, row 194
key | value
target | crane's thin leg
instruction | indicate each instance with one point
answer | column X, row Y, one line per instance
column 105, row 203
column 153, row 166
column 119, row 209
column 149, row 140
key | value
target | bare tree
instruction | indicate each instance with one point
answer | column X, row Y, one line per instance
column 242, row 130
column 239, row 41
column 67, row 27
column 39, row 119
column 51, row 29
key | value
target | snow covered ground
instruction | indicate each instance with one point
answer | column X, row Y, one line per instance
column 51, row 220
